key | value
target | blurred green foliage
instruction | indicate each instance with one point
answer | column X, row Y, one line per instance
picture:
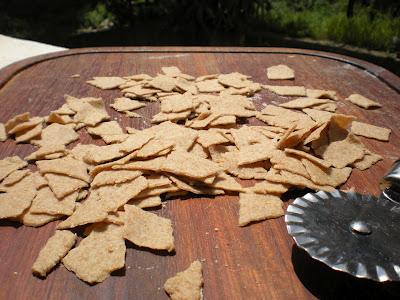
column 374, row 24
column 199, row 14
column 327, row 20
column 98, row 17
column 43, row 20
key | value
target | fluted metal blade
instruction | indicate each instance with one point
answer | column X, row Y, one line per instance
column 349, row 232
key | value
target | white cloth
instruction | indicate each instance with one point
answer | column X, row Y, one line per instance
column 12, row 49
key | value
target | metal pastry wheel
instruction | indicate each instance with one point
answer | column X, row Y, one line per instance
column 349, row 232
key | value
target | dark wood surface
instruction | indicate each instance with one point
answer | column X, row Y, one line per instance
column 255, row 262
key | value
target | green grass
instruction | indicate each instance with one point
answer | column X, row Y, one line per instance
column 368, row 28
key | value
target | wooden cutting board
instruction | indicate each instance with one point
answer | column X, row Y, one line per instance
column 255, row 262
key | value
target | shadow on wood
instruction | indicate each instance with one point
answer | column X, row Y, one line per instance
column 326, row 283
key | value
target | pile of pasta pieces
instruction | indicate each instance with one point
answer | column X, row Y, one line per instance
column 197, row 145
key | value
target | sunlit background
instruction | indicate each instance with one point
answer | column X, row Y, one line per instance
column 368, row 29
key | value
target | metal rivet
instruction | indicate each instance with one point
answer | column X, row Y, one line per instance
column 360, row 227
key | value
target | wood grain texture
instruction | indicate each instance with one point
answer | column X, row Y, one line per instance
column 255, row 262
